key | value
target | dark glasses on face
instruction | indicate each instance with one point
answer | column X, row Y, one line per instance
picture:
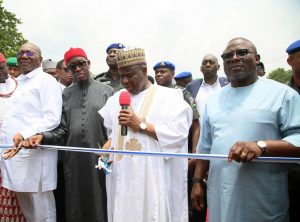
column 80, row 64
column 240, row 53
column 27, row 53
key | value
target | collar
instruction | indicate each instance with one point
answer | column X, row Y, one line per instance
column 206, row 84
column 31, row 74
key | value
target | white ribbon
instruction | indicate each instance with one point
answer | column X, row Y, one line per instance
column 160, row 154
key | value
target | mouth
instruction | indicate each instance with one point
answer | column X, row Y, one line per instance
column 237, row 68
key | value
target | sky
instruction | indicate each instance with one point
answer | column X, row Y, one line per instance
column 180, row 31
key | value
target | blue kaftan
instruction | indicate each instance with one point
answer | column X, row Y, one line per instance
column 265, row 110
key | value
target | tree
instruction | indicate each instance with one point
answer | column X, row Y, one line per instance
column 10, row 38
column 280, row 75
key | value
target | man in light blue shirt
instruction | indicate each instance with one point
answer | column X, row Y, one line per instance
column 250, row 117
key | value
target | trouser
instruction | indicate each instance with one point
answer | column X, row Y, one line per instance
column 37, row 206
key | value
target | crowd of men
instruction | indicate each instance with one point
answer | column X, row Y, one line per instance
column 243, row 115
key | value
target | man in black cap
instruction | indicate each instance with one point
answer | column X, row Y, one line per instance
column 112, row 77
column 294, row 169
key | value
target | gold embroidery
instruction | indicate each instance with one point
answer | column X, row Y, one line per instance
column 133, row 145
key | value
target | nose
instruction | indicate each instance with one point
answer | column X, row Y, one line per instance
column 77, row 69
column 235, row 57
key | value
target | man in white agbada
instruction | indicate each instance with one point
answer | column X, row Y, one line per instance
column 142, row 188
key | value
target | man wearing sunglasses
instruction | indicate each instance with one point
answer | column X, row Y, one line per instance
column 81, row 126
column 112, row 77
column 248, row 118
column 36, row 106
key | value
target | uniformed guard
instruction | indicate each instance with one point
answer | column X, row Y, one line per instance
column 111, row 77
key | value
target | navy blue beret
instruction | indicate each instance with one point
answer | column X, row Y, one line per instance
column 183, row 75
column 294, row 47
column 115, row 46
column 164, row 64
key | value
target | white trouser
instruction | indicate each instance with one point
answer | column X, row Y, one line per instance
column 37, row 206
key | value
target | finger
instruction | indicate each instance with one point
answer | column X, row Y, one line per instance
column 250, row 157
column 230, row 155
column 244, row 156
column 233, row 153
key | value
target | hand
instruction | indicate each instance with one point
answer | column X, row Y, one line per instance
column 128, row 118
column 244, row 152
column 33, row 141
column 197, row 196
column 104, row 164
column 17, row 140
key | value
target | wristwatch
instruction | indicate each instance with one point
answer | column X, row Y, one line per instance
column 202, row 181
column 143, row 126
column 262, row 145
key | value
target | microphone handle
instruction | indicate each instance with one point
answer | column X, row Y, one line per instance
column 124, row 128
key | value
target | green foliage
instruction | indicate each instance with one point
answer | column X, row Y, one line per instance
column 10, row 38
column 280, row 75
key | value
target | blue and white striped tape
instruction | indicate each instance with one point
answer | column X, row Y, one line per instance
column 160, row 154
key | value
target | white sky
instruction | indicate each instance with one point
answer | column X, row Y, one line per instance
column 181, row 31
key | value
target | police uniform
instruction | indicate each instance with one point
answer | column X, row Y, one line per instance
column 106, row 78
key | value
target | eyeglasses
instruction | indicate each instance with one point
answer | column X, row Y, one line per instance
column 240, row 53
column 27, row 53
column 80, row 64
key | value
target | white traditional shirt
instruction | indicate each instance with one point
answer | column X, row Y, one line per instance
column 35, row 107
column 204, row 92
column 144, row 188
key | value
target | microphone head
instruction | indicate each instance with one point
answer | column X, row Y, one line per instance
column 124, row 98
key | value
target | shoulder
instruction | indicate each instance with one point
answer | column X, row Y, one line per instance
column 269, row 84
column 194, row 83
column 100, row 76
column 223, row 81
column 101, row 86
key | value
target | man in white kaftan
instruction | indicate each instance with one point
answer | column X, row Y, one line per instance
column 144, row 188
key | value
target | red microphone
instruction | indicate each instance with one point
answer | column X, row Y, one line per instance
column 124, row 100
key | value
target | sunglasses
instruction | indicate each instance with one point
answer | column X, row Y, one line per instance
column 240, row 53
column 80, row 64
column 27, row 53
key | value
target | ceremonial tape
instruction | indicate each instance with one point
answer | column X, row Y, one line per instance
column 160, row 154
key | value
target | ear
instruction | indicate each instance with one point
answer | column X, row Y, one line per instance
column 144, row 69
column 41, row 58
column 218, row 66
column 290, row 60
column 257, row 58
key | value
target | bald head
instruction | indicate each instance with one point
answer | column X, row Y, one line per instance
column 209, row 68
column 239, row 59
column 210, row 57
column 32, row 46
column 239, row 40
column 29, row 57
